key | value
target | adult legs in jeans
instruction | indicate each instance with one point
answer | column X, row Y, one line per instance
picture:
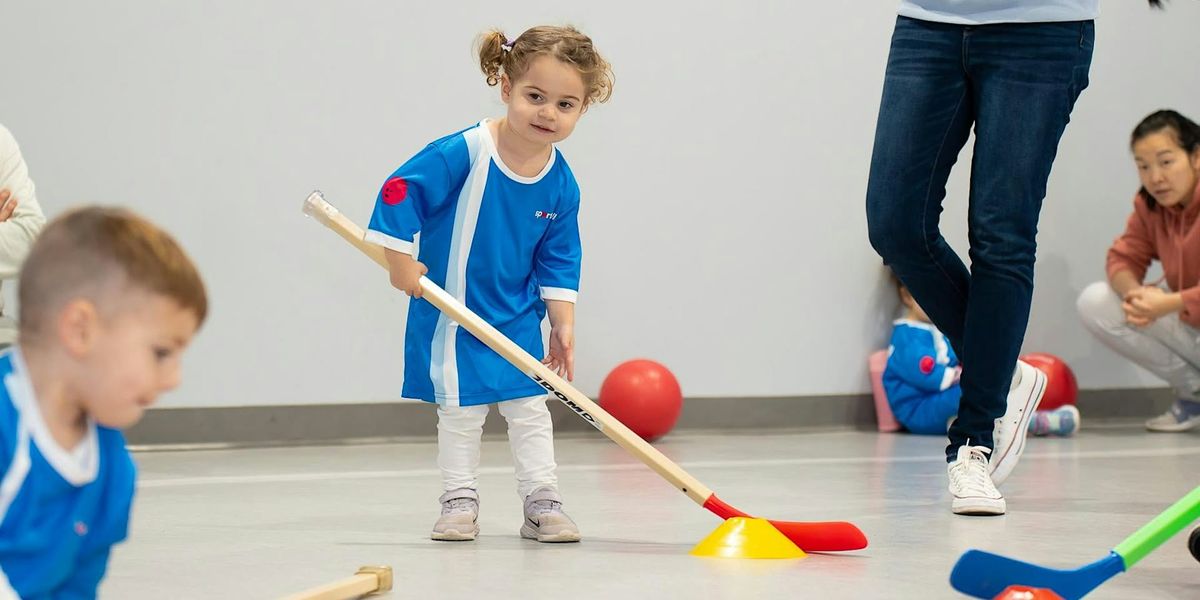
column 1017, row 84
column 1168, row 348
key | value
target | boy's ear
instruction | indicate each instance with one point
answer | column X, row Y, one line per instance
column 77, row 327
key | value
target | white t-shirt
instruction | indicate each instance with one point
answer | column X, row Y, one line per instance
column 982, row 12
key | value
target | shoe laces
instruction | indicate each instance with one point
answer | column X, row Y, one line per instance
column 459, row 505
column 970, row 473
column 545, row 507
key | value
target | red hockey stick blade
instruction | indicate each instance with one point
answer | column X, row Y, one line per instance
column 822, row 536
column 814, row 536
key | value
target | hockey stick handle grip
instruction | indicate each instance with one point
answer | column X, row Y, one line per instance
column 1162, row 528
column 367, row 581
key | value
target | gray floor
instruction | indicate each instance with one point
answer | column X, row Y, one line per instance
column 263, row 523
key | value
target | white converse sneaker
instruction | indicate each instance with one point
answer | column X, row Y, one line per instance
column 1008, row 438
column 972, row 487
column 544, row 519
column 460, row 516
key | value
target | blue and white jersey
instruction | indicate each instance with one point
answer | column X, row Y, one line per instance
column 921, row 364
column 60, row 510
column 986, row 12
column 498, row 242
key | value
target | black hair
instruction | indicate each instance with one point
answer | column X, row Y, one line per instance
column 1185, row 131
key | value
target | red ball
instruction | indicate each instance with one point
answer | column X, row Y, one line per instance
column 1061, row 388
column 643, row 395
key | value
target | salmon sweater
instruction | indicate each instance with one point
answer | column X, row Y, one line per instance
column 1170, row 236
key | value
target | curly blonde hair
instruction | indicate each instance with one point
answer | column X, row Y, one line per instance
column 499, row 56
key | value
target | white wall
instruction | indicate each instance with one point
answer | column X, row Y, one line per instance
column 723, row 224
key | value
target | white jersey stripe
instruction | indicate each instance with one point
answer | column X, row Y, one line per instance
column 78, row 467
column 389, row 242
column 443, row 365
column 555, row 293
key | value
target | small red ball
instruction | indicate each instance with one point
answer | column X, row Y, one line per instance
column 1061, row 387
column 643, row 395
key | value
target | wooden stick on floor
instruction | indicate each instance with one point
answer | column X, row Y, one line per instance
column 367, row 581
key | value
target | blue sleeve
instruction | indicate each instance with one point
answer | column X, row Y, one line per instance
column 418, row 189
column 914, row 360
column 560, row 254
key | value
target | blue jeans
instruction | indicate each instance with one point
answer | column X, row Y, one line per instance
column 1016, row 83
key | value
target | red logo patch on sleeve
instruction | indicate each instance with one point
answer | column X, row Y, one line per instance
column 926, row 364
column 394, row 191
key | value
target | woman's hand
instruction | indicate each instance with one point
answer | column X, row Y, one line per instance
column 1146, row 304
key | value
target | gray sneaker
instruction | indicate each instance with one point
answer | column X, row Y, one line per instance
column 544, row 519
column 1184, row 415
column 460, row 516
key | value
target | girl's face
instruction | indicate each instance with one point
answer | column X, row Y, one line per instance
column 1167, row 171
column 546, row 102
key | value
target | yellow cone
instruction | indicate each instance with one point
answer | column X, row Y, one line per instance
column 743, row 537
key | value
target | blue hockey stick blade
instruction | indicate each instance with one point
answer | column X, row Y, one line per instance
column 984, row 575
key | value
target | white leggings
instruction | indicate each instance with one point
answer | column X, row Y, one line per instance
column 1169, row 348
column 530, row 434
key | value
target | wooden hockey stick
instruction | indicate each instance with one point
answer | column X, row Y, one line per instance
column 367, row 581
column 809, row 536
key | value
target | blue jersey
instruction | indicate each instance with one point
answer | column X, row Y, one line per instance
column 921, row 369
column 500, row 243
column 60, row 511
